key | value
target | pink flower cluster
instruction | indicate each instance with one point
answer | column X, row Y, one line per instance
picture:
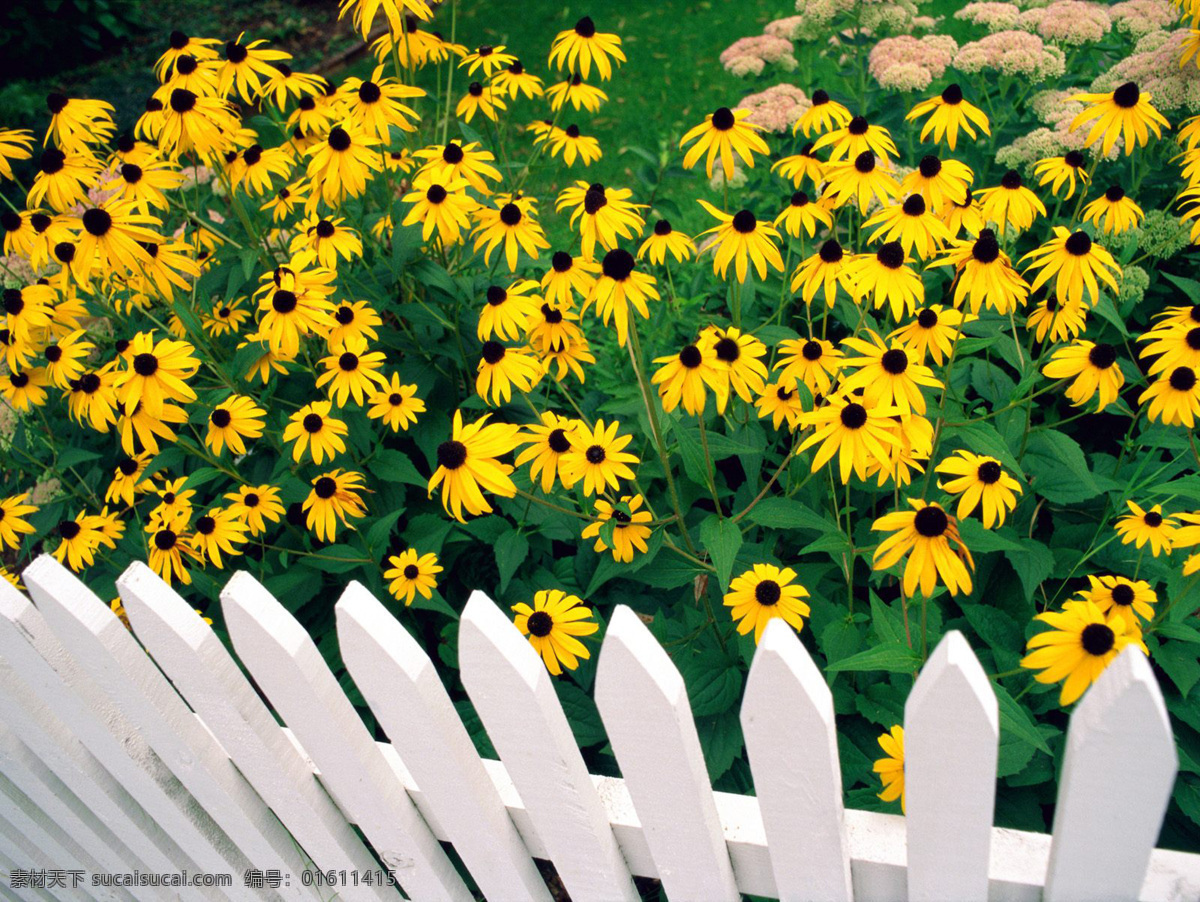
column 1012, row 53
column 776, row 108
column 749, row 56
column 1154, row 67
column 992, row 15
column 1141, row 17
column 905, row 63
column 1071, row 22
column 814, row 18
column 1057, row 110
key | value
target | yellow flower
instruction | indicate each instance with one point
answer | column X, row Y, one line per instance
column 501, row 369
column 629, row 527
column 235, row 419
column 351, row 370
column 334, row 496
column 856, row 433
column 467, row 463
column 929, row 536
column 740, row 238
column 578, row 48
column 1115, row 211
column 1094, row 368
column 157, row 372
column 411, row 573
column 1075, row 262
column 395, row 404
column 1141, row 526
column 725, row 132
column 979, row 481
column 597, row 456
column 507, row 222
column 256, row 506
column 312, row 425
column 548, row 441
column 1010, row 204
column 1081, row 643
column 891, row 767
column 619, row 287
column 947, row 114
column 13, row 525
column 763, row 593
column 683, row 376
column 1125, row 112
column 554, row 625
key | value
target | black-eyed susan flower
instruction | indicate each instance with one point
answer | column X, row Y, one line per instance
column 443, row 208
column 576, row 92
column 502, row 369
column 514, row 80
column 857, row 433
column 912, row 224
column 286, row 200
column 245, row 65
column 577, row 49
column 354, row 319
column 144, row 184
column 822, row 115
column 312, row 427
column 173, row 498
column 940, row 182
column 75, row 122
column 510, row 223
column 724, row 132
column 109, row 238
column 169, row 543
column 824, row 271
column 329, row 238
column 79, row 540
column 334, row 496
column 1174, row 397
column 683, row 377
column 1094, row 369
column 1114, row 211
column 979, row 481
column 411, row 572
column 396, row 404
column 891, row 766
column 193, row 122
column 181, row 44
column 487, row 57
column 554, row 624
column 801, row 166
column 13, row 523
column 742, row 238
column 567, row 354
column 92, row 400
column 803, row 215
column 15, row 144
column 1140, row 526
column 914, row 446
column 965, row 216
column 663, row 239
column 26, row 309
column 597, row 457
column 781, row 402
column 507, row 311
column 887, row 376
column 1128, row 597
column 548, row 441
column 621, row 528
column 363, row 13
column 341, row 165
column 1064, row 170
column 219, row 531
column 813, row 361
column 231, row 422
column 127, row 480
column 856, row 137
column 1075, row 262
column 929, row 536
column 568, row 276
column 62, row 179
column 1059, row 322
column 949, row 112
column 933, row 331
column 885, row 278
column 601, row 214
column 860, row 179
column 294, row 301
column 157, row 372
column 479, row 99
column 467, row 463
column 1173, row 346
column 763, row 593
column 1124, row 112
column 285, row 83
column 738, row 360
column 984, row 274
column 168, row 266
column 620, row 286
column 1010, row 204
column 226, row 318
column 466, row 162
column 352, row 369
column 415, row 46
column 256, row 506
column 573, row 145
column 1079, row 645
column 374, row 105
column 24, row 390
column 549, row 326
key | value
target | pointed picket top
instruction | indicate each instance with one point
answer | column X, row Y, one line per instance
column 791, row 739
column 951, row 747
column 1117, row 775
column 291, row 672
column 644, row 705
column 514, row 696
column 404, row 691
column 206, row 675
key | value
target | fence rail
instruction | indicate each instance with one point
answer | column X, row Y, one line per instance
column 156, row 754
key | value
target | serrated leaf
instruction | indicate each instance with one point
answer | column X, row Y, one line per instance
column 394, row 466
column 784, row 513
column 722, row 539
column 511, row 550
column 1017, row 721
column 713, row 684
column 1180, row 663
column 887, row 624
column 1034, row 562
column 582, row 714
column 1059, row 469
column 892, row 658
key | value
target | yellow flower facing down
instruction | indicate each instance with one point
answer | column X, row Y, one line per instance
column 509, row 223
column 467, row 463
column 1064, row 170
column 411, row 573
column 1114, row 211
column 601, row 214
column 979, row 481
column 861, row 179
column 1124, row 112
column 618, row 288
column 554, row 624
column 577, row 93
column 724, row 132
column 891, row 767
column 824, row 114
column 1141, row 526
column 948, row 113
column 912, row 224
column 479, row 99
column 929, row 536
column 885, row 278
column 855, row 138
column 663, row 240
column 763, row 593
column 942, row 183
column 1174, row 398
column 501, row 369
column 313, row 428
column 1010, row 205
column 800, row 166
column 824, row 271
column 573, row 145
column 1094, row 368
column 568, row 276
column 352, row 370
column 856, row 433
column 1080, row 644
column 578, row 49
column 363, row 13
column 629, row 528
column 1075, row 262
column 458, row 162
column 740, row 238
column 682, row 378
column 598, row 457
column 13, row 525
column 1058, row 321
column 984, row 275
column 374, row 105
column 334, row 496
column 803, row 215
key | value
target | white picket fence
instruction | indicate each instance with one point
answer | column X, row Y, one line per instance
column 118, row 757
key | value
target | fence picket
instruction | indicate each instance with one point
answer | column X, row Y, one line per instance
column 1116, row 781
column 406, row 694
column 515, row 698
column 791, row 740
column 644, row 705
column 205, row 674
column 951, row 746
column 291, row 672
column 17, row 847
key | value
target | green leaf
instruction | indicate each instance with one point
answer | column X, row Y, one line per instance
column 721, row 740
column 1059, row 469
column 394, row 466
column 981, row 540
column 581, row 713
column 434, row 603
column 784, row 513
column 887, row 624
column 1178, row 631
column 381, row 529
column 982, row 438
column 511, row 550
column 335, row 559
column 1190, row 287
column 1000, row 631
column 722, row 539
column 839, row 640
column 1017, row 721
column 73, row 456
column 1180, row 665
column 1034, row 562
column 892, row 657
column 713, row 683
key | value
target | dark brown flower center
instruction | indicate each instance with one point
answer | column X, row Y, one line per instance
column 540, row 624
column 1122, row 594
column 1097, row 639
column 891, row 255
column 313, row 423
column 865, row 162
column 723, row 119
column 1183, row 378
column 894, row 361
column 325, row 487
column 1102, row 356
column 220, row 418
column 989, row 472
column 1153, row 519
column 931, row 521
column 853, row 416
column 618, row 264
column 510, row 214
column 1127, row 96
column 411, row 571
column 451, row 455
column 930, row 166
column 558, row 441
column 595, row 454
column 767, row 593
column 831, row 251
column 1078, row 244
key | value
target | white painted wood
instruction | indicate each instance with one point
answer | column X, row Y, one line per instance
column 406, row 694
column 288, row 668
column 13, row 855
column 514, row 696
column 791, row 740
column 1116, row 781
column 951, row 746
column 206, row 675
column 644, row 705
